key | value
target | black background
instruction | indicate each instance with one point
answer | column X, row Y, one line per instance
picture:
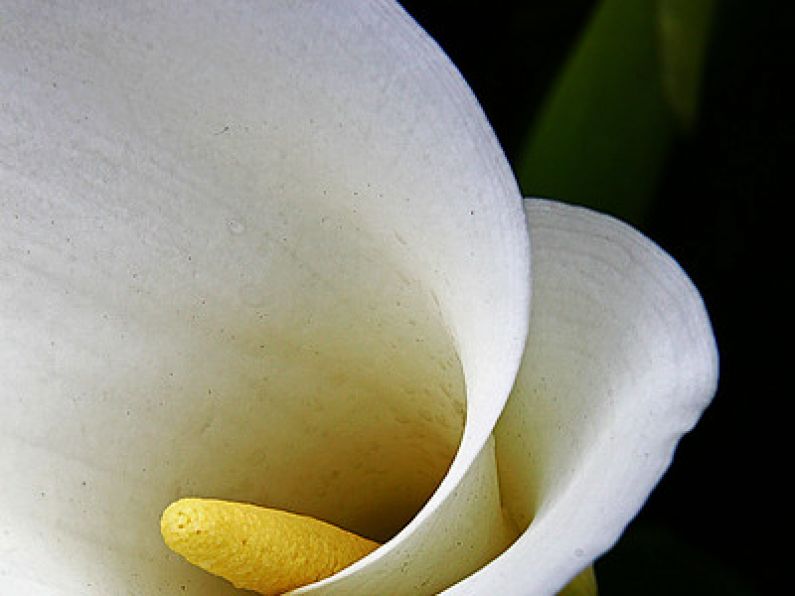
column 718, row 523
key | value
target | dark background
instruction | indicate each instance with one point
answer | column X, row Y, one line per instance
column 716, row 524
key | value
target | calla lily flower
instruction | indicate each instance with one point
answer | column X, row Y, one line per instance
column 272, row 252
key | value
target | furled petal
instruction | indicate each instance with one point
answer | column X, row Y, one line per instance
column 620, row 362
column 248, row 250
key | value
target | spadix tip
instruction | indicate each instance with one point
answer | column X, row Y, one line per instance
column 256, row 548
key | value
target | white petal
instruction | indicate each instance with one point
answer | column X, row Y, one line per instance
column 620, row 362
column 247, row 250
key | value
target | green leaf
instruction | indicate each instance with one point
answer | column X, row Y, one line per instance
column 684, row 27
column 604, row 132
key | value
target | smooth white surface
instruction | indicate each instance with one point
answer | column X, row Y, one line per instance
column 250, row 250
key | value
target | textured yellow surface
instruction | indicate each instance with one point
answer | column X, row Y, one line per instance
column 255, row 548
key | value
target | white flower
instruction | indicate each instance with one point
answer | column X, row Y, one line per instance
column 271, row 251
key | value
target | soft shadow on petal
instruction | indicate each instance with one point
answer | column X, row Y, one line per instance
column 263, row 251
column 620, row 362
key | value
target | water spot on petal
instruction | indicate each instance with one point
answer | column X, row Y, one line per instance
column 236, row 227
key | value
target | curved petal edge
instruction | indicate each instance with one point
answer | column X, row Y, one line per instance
column 620, row 363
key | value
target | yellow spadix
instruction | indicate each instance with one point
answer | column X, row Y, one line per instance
column 265, row 550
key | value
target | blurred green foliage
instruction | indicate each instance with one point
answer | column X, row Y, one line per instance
column 606, row 128
column 683, row 27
